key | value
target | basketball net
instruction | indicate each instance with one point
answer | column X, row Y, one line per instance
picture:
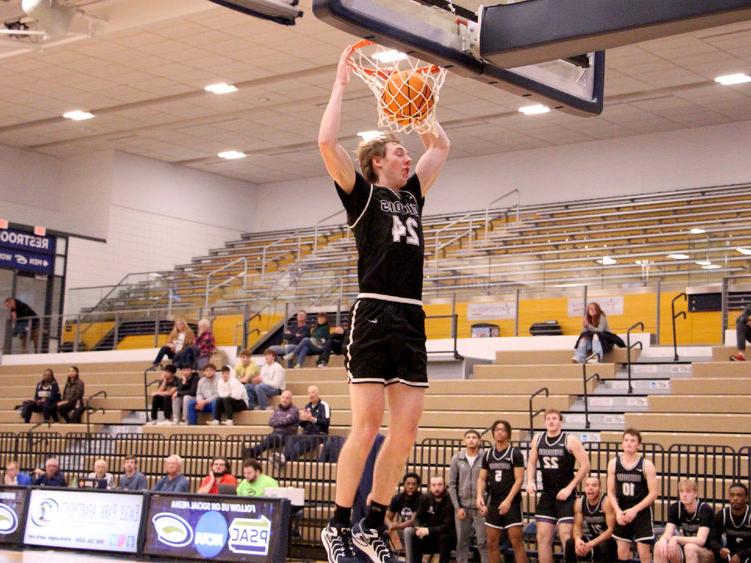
column 401, row 108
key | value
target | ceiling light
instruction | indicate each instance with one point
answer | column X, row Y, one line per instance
column 534, row 110
column 711, row 267
column 221, row 88
column 231, row 155
column 607, row 261
column 369, row 135
column 389, row 56
column 697, row 231
column 733, row 79
column 703, row 262
column 78, row 115
column 678, row 256
column 744, row 251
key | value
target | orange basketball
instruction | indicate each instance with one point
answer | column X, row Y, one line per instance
column 407, row 97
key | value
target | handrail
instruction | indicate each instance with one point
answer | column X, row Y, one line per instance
column 90, row 410
column 629, row 347
column 454, row 323
column 585, row 380
column 439, row 247
column 277, row 241
column 532, row 415
column 229, row 279
column 675, row 316
column 319, row 223
column 146, row 386
column 496, row 200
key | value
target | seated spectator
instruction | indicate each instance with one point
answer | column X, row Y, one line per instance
column 255, row 482
column 293, row 336
column 246, row 369
column 314, row 422
column 132, row 479
column 283, row 422
column 205, row 344
column 596, row 337
column 434, row 525
column 742, row 334
column 269, row 383
column 162, row 397
column 313, row 344
column 403, row 509
column 50, row 476
column 186, row 390
column 46, row 396
column 731, row 535
column 334, row 345
column 686, row 535
column 219, row 475
column 13, row 476
column 179, row 347
column 103, row 479
column 231, row 397
column 71, row 407
column 173, row 481
column 24, row 321
column 205, row 399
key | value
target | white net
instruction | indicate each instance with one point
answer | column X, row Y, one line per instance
column 406, row 89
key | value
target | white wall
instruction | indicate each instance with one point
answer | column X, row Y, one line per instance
column 646, row 163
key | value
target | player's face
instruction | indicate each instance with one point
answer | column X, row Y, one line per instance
column 410, row 486
column 592, row 488
column 437, row 487
column 471, row 441
column 630, row 444
column 395, row 164
column 553, row 423
column 687, row 496
column 738, row 499
column 500, row 434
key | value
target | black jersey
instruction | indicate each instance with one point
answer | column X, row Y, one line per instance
column 388, row 231
column 688, row 523
column 556, row 463
column 630, row 483
column 737, row 530
column 405, row 506
column 500, row 467
column 595, row 522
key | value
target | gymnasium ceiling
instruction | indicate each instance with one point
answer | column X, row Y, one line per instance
column 143, row 78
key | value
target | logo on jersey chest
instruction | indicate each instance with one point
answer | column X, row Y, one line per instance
column 400, row 208
column 500, row 465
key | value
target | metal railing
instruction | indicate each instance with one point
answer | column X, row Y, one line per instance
column 244, row 274
column 462, row 234
column 629, row 347
column 533, row 414
column 90, row 410
column 496, row 200
column 674, row 317
column 321, row 222
column 265, row 249
column 585, row 382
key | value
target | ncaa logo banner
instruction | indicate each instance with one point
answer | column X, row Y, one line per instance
column 217, row 528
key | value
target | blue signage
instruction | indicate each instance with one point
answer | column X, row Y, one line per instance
column 12, row 514
column 26, row 261
column 28, row 242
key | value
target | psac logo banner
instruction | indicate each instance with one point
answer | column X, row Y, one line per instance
column 172, row 530
column 8, row 520
column 250, row 536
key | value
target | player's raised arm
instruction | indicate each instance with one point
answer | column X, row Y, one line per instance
column 335, row 158
column 431, row 163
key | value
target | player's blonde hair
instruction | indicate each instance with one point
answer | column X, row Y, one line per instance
column 367, row 150
column 688, row 485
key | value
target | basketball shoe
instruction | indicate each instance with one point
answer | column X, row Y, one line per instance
column 337, row 541
column 373, row 543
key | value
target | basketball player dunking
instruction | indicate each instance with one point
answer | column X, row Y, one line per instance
column 557, row 453
column 385, row 356
column 632, row 488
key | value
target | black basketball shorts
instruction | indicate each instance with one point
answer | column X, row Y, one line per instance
column 513, row 517
column 386, row 344
column 640, row 529
column 550, row 509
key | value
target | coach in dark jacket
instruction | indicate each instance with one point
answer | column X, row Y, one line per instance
column 434, row 525
column 71, row 407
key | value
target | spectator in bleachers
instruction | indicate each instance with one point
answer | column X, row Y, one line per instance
column 269, row 383
column 403, row 508
column 686, row 535
column 173, row 481
column 179, row 347
column 13, row 475
column 334, row 345
column 186, row 391
column 205, row 344
column 283, row 421
column 433, row 530
column 314, row 423
column 205, row 398
column 245, row 368
column 742, row 334
column 50, row 476
column 595, row 323
column 231, row 397
column 464, row 471
column 104, row 480
column 132, row 479
column 24, row 321
column 46, row 396
column 71, row 406
column 313, row 344
column 730, row 539
column 293, row 336
column 594, row 521
column 255, row 482
column 219, row 474
column 162, row 397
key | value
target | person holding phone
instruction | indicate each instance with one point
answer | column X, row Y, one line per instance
column 218, row 475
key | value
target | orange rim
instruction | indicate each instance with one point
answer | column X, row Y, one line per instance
column 385, row 73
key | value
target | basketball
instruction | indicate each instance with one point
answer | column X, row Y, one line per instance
column 407, row 97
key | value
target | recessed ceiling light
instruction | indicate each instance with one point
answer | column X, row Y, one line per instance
column 389, row 56
column 606, row 261
column 744, row 251
column 536, row 109
column 678, row 256
column 78, row 115
column 711, row 267
column 231, row 155
column 697, row 231
column 369, row 135
column 703, row 262
column 733, row 79
column 221, row 88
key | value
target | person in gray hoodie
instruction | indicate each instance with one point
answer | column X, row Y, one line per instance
column 463, row 474
column 206, row 394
